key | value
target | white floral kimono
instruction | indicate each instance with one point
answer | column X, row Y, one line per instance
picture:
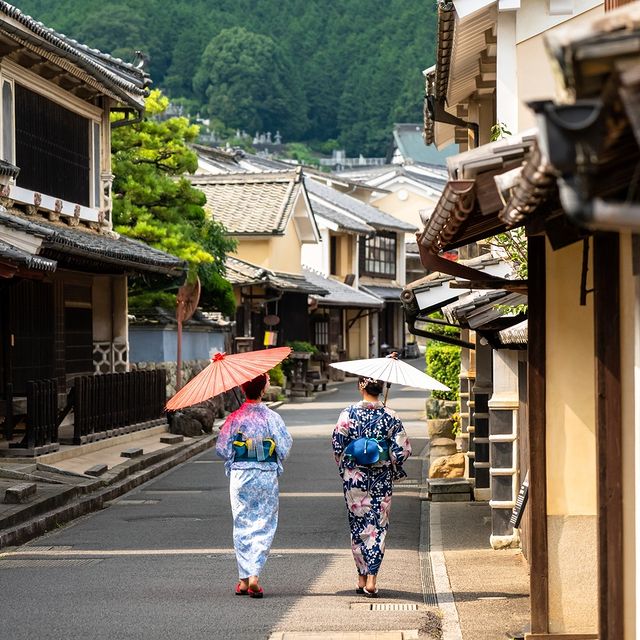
column 253, row 484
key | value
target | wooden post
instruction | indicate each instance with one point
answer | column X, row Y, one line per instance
column 539, row 577
column 606, row 281
column 179, row 356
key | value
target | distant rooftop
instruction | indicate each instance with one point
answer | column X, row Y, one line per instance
column 408, row 147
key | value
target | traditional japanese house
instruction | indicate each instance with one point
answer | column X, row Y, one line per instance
column 365, row 247
column 575, row 193
column 270, row 216
column 63, row 271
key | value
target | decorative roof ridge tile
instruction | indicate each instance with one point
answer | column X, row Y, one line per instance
column 115, row 71
column 277, row 175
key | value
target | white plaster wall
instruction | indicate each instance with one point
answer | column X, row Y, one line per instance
column 534, row 16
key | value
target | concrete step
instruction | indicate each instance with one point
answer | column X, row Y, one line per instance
column 56, row 504
column 20, row 493
column 449, row 490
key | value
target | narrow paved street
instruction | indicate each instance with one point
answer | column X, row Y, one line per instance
column 159, row 563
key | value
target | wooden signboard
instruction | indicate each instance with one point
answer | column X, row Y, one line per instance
column 521, row 502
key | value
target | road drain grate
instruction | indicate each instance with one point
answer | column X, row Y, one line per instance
column 384, row 606
column 47, row 563
column 429, row 593
column 393, row 606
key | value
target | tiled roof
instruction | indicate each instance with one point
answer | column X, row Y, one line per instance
column 480, row 308
column 411, row 144
column 125, row 79
column 388, row 294
column 19, row 257
column 217, row 160
column 251, row 203
column 66, row 244
column 518, row 334
column 340, row 294
column 344, row 222
column 162, row 317
column 8, row 169
column 242, row 273
column 365, row 212
column 431, row 175
column 470, row 205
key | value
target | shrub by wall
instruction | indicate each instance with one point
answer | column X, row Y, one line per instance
column 443, row 364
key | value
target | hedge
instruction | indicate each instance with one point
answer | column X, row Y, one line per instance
column 443, row 364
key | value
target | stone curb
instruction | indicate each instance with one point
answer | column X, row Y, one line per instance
column 134, row 474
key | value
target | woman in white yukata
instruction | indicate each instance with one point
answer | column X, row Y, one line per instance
column 253, row 442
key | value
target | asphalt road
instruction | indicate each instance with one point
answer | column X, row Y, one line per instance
column 159, row 562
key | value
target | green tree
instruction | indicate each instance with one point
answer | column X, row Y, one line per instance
column 247, row 81
column 154, row 202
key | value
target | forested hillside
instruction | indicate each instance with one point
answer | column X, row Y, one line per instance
column 317, row 70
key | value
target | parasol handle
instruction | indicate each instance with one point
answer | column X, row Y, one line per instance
column 237, row 396
column 386, row 394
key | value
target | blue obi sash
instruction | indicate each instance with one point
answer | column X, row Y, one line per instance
column 258, row 449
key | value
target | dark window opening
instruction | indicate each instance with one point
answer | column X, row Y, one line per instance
column 52, row 148
column 78, row 340
column 321, row 328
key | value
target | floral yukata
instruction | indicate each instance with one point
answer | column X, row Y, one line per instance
column 368, row 489
column 253, row 485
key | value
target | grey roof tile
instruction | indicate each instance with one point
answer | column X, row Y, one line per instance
column 251, row 203
column 340, row 294
column 19, row 257
column 240, row 272
column 365, row 212
column 61, row 240
column 389, row 293
column 345, row 222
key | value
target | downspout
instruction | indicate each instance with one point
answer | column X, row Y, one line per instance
column 126, row 121
column 457, row 342
column 440, row 114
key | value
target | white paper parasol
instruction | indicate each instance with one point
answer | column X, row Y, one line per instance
column 391, row 370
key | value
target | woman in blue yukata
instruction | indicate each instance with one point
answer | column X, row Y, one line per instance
column 253, row 442
column 368, row 487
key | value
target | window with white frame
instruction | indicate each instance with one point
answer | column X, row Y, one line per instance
column 378, row 255
column 56, row 143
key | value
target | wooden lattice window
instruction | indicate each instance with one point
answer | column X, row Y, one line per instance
column 53, row 148
column 378, row 255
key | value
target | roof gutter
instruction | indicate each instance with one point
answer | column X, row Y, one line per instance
column 570, row 136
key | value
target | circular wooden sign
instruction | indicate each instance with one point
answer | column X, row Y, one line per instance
column 271, row 321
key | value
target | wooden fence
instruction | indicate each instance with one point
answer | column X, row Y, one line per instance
column 116, row 400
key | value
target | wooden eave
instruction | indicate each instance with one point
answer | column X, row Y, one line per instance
column 53, row 69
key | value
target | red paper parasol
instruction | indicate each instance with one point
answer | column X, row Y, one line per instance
column 224, row 373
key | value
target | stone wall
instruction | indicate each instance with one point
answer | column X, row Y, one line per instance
column 190, row 369
column 194, row 420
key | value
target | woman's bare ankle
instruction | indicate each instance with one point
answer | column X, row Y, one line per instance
column 252, row 581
